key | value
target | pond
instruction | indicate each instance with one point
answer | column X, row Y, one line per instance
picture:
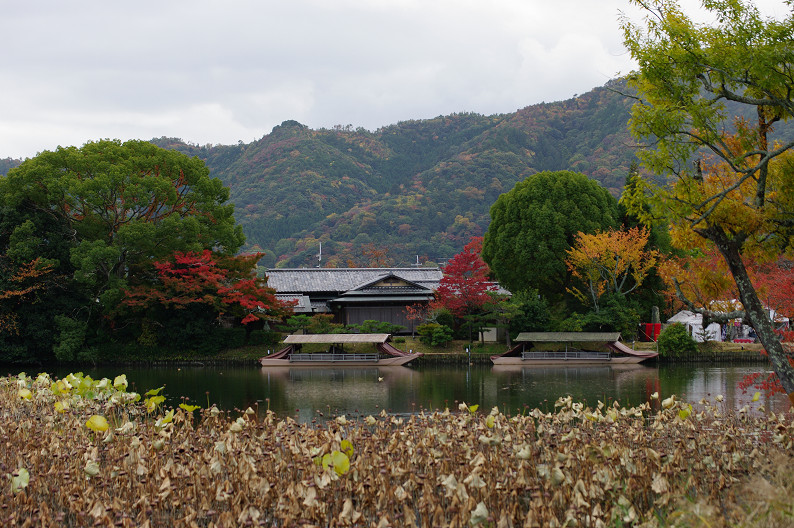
column 306, row 393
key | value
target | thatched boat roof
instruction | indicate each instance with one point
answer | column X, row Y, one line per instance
column 567, row 337
column 336, row 338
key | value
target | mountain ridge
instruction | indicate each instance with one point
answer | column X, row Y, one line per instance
column 417, row 189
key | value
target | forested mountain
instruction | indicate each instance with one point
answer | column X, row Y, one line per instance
column 7, row 164
column 415, row 189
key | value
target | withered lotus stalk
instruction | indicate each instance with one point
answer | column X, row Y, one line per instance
column 601, row 466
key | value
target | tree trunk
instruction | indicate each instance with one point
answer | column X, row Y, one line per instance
column 758, row 314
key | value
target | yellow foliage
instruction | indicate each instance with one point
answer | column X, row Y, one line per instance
column 606, row 261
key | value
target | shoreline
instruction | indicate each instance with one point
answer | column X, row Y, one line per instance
column 748, row 354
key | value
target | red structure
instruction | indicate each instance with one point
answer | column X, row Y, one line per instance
column 650, row 331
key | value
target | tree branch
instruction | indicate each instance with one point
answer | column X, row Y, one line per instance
column 711, row 315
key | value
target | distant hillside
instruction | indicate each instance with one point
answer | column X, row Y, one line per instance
column 417, row 188
column 7, row 164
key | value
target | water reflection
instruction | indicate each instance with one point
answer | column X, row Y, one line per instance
column 322, row 392
column 307, row 393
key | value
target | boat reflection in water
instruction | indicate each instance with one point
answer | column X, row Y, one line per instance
column 356, row 391
column 630, row 382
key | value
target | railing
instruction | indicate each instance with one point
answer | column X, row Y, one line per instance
column 341, row 358
column 566, row 355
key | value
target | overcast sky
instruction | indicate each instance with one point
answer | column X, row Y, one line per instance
column 224, row 71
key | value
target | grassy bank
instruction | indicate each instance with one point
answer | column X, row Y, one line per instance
column 77, row 455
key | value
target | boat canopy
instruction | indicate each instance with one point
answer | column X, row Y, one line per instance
column 568, row 337
column 336, row 339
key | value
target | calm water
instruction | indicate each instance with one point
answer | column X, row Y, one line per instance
column 309, row 393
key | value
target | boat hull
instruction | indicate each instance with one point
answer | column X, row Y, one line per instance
column 383, row 362
column 573, row 362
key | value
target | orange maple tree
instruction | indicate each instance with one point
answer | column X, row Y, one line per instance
column 27, row 279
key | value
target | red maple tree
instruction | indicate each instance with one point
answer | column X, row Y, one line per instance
column 226, row 284
column 464, row 288
column 775, row 284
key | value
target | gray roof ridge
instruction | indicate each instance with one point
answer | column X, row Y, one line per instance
column 356, row 269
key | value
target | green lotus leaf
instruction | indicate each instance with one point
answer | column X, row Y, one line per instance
column 338, row 460
column 154, row 392
column 97, row 423
column 19, row 480
column 347, row 447
column 120, row 382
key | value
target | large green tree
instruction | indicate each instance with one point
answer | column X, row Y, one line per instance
column 730, row 182
column 535, row 223
column 100, row 215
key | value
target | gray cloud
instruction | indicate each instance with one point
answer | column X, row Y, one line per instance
column 219, row 72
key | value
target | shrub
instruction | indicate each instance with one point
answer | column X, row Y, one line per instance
column 534, row 316
column 370, row 326
column 444, row 317
column 434, row 334
column 322, row 324
column 675, row 341
column 425, row 332
column 264, row 337
column 441, row 336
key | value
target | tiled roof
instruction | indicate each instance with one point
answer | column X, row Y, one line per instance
column 307, row 280
column 302, row 303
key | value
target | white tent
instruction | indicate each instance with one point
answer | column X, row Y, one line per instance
column 693, row 322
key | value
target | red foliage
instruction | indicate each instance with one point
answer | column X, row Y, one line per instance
column 786, row 335
column 464, row 287
column 769, row 384
column 417, row 312
column 228, row 284
column 775, row 284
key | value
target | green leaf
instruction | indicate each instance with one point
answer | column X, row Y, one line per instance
column 338, row 460
column 19, row 480
column 169, row 416
column 120, row 382
column 347, row 447
column 153, row 402
column 154, row 392
column 97, row 423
